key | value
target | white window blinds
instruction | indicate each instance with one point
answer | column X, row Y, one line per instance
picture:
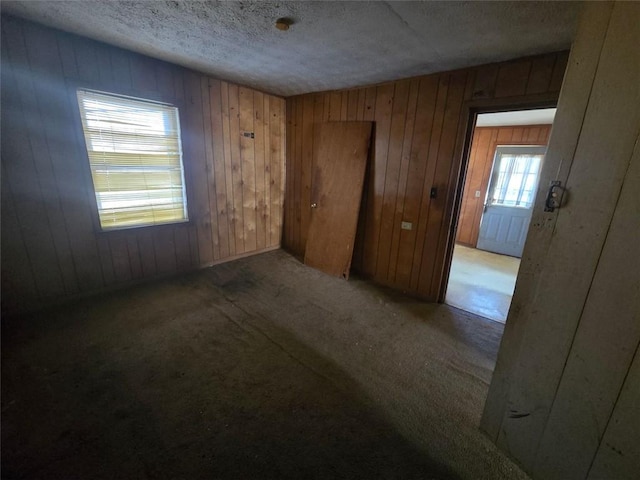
column 135, row 156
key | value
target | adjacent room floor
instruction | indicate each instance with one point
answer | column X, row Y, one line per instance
column 258, row 368
column 482, row 282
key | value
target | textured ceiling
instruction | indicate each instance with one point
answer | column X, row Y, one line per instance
column 330, row 45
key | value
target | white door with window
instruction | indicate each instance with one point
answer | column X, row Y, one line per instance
column 510, row 198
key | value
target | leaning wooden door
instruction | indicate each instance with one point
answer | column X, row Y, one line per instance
column 340, row 154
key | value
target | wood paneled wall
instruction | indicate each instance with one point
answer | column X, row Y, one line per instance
column 564, row 399
column 52, row 246
column 483, row 149
column 419, row 131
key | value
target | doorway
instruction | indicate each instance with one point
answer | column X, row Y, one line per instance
column 505, row 159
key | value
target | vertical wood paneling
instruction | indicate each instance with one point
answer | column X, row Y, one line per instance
column 164, row 249
column 266, row 141
column 392, row 177
column 441, row 181
column 403, row 179
column 209, row 162
column 236, row 166
column 562, row 144
column 541, row 73
column 297, row 180
column 23, row 112
column 120, row 256
column 445, row 241
column 247, row 156
column 183, row 253
column 513, row 78
column 581, row 409
column 425, row 117
column 290, row 169
column 258, row 126
column 232, row 214
column 306, row 166
column 383, row 112
column 18, row 280
column 135, row 263
column 576, row 331
column 619, row 453
column 195, row 148
column 49, row 218
column 147, row 253
column 483, row 147
column 277, row 167
column 428, row 180
column 219, row 177
column 416, row 148
column 75, row 195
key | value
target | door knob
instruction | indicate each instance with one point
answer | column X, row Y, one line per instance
column 314, row 205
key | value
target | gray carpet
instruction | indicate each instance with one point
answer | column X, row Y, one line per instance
column 258, row 368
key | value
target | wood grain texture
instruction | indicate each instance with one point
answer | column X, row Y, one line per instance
column 49, row 221
column 601, row 352
column 563, row 141
column 416, row 147
column 556, row 389
column 483, row 147
column 340, row 157
column 619, row 453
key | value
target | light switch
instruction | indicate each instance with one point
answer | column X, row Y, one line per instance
column 477, row 193
column 406, row 226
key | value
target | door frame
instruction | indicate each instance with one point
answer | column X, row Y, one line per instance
column 470, row 112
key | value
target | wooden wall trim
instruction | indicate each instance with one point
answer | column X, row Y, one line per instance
column 420, row 126
column 52, row 247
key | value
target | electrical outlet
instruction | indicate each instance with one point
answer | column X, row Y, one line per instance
column 406, row 226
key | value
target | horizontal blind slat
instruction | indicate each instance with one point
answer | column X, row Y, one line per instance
column 135, row 156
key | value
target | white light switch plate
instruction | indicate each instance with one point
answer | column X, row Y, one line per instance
column 477, row 193
column 406, row 226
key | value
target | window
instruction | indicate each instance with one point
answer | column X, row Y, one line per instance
column 135, row 156
column 516, row 177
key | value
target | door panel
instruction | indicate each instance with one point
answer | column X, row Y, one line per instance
column 340, row 154
column 504, row 229
column 510, row 197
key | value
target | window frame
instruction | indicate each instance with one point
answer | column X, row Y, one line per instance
column 515, row 149
column 73, row 86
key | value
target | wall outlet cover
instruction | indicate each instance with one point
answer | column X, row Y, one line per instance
column 406, row 226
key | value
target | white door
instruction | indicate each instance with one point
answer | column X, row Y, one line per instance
column 510, row 198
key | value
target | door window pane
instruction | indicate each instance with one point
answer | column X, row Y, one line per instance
column 517, row 179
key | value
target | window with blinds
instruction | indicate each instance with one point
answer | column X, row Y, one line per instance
column 135, row 156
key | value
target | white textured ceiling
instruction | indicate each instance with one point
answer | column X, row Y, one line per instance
column 330, row 45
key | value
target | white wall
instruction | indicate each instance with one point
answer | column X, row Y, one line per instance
column 565, row 397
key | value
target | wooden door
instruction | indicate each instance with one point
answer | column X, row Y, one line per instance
column 510, row 198
column 340, row 154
